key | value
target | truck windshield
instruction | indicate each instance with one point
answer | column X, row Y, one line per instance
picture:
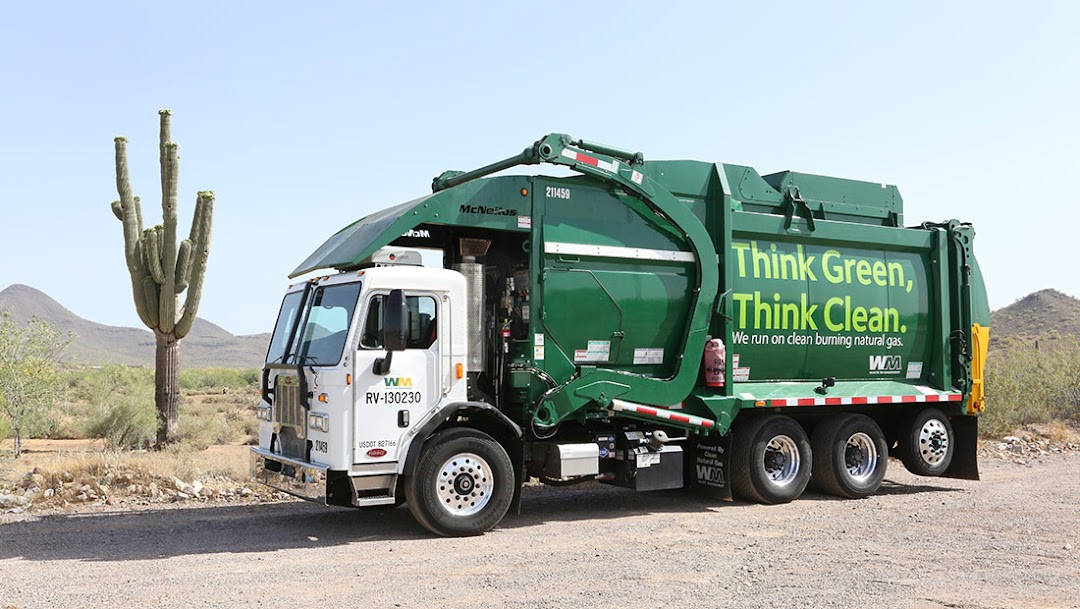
column 325, row 327
column 290, row 307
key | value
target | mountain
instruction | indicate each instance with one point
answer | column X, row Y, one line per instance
column 207, row 345
column 1037, row 314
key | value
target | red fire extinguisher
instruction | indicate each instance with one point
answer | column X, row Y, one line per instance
column 714, row 362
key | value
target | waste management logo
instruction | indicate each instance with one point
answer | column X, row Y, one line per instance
column 398, row 381
column 885, row 364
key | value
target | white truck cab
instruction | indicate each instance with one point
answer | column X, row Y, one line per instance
column 339, row 408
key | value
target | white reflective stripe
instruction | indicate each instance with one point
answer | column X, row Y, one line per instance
column 661, row 413
column 613, row 251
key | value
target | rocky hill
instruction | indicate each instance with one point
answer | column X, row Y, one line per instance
column 1038, row 314
column 207, row 345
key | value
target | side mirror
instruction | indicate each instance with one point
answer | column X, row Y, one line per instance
column 395, row 321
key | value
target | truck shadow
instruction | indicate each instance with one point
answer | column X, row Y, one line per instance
column 163, row 533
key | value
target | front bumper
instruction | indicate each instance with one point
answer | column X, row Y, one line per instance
column 298, row 478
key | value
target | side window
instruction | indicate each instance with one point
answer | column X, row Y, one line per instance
column 423, row 325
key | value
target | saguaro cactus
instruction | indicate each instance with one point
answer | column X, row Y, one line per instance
column 161, row 270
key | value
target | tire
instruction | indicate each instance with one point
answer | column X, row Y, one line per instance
column 926, row 443
column 850, row 456
column 462, row 484
column 771, row 460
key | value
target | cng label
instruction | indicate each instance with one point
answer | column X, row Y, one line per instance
column 885, row 364
column 398, row 381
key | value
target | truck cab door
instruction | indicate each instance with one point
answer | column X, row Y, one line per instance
column 387, row 405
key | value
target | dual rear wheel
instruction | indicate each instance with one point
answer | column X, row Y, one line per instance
column 773, row 459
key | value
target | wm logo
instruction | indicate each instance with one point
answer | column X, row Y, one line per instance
column 403, row 381
column 884, row 363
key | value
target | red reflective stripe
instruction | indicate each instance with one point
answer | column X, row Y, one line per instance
column 859, row 401
column 706, row 423
column 909, row 398
column 648, row 411
column 588, row 160
column 833, row 401
column 680, row 418
column 805, row 402
column 884, row 399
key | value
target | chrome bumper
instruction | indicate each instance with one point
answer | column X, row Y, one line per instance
column 297, row 478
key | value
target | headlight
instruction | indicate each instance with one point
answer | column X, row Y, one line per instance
column 319, row 421
column 265, row 413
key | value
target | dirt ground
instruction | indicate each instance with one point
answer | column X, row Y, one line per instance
column 1010, row 540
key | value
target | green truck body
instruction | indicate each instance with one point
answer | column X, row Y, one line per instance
column 600, row 295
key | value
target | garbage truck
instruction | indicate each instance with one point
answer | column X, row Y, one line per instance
column 646, row 324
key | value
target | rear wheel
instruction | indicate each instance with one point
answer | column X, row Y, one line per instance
column 850, row 456
column 771, row 459
column 926, row 443
column 462, row 484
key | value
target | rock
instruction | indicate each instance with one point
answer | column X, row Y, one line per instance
column 246, row 492
column 181, row 496
column 81, row 497
column 66, row 477
column 13, row 501
column 183, row 487
column 1011, row 440
column 1067, row 546
column 196, row 488
column 49, row 493
column 110, row 501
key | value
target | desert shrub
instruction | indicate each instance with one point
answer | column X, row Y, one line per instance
column 199, row 430
column 1031, row 381
column 207, row 378
column 125, row 419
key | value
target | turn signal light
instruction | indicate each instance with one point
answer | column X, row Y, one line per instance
column 460, row 370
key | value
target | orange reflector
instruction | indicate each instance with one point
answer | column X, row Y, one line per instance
column 460, row 370
column 524, row 192
column 323, row 398
column 348, row 379
column 759, row 403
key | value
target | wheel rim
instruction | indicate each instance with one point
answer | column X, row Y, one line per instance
column 860, row 457
column 933, row 442
column 782, row 460
column 464, row 484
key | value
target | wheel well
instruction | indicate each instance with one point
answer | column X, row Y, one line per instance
column 470, row 415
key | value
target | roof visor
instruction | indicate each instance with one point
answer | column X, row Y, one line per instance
column 360, row 239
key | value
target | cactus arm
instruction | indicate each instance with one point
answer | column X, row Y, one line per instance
column 167, row 299
column 150, row 300
column 200, row 252
column 183, row 266
column 131, row 217
column 118, row 210
column 152, row 253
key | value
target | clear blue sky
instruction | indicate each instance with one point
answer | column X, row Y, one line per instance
column 304, row 118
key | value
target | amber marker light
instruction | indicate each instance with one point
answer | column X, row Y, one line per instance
column 348, row 379
column 524, row 192
column 323, row 398
column 460, row 370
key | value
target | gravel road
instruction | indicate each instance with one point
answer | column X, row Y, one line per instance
column 1011, row 540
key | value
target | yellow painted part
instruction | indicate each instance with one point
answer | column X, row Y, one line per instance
column 980, row 341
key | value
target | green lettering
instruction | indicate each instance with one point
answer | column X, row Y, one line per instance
column 862, row 271
column 807, row 314
column 741, row 300
column 804, row 265
column 833, row 274
column 880, row 273
column 741, row 249
column 829, row 304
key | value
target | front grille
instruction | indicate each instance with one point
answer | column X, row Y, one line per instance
column 287, row 409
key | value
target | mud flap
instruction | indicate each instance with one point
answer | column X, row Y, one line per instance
column 708, row 465
column 965, row 461
column 517, row 457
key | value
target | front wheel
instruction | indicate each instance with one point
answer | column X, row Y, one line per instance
column 770, row 459
column 926, row 443
column 462, row 484
column 850, row 455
